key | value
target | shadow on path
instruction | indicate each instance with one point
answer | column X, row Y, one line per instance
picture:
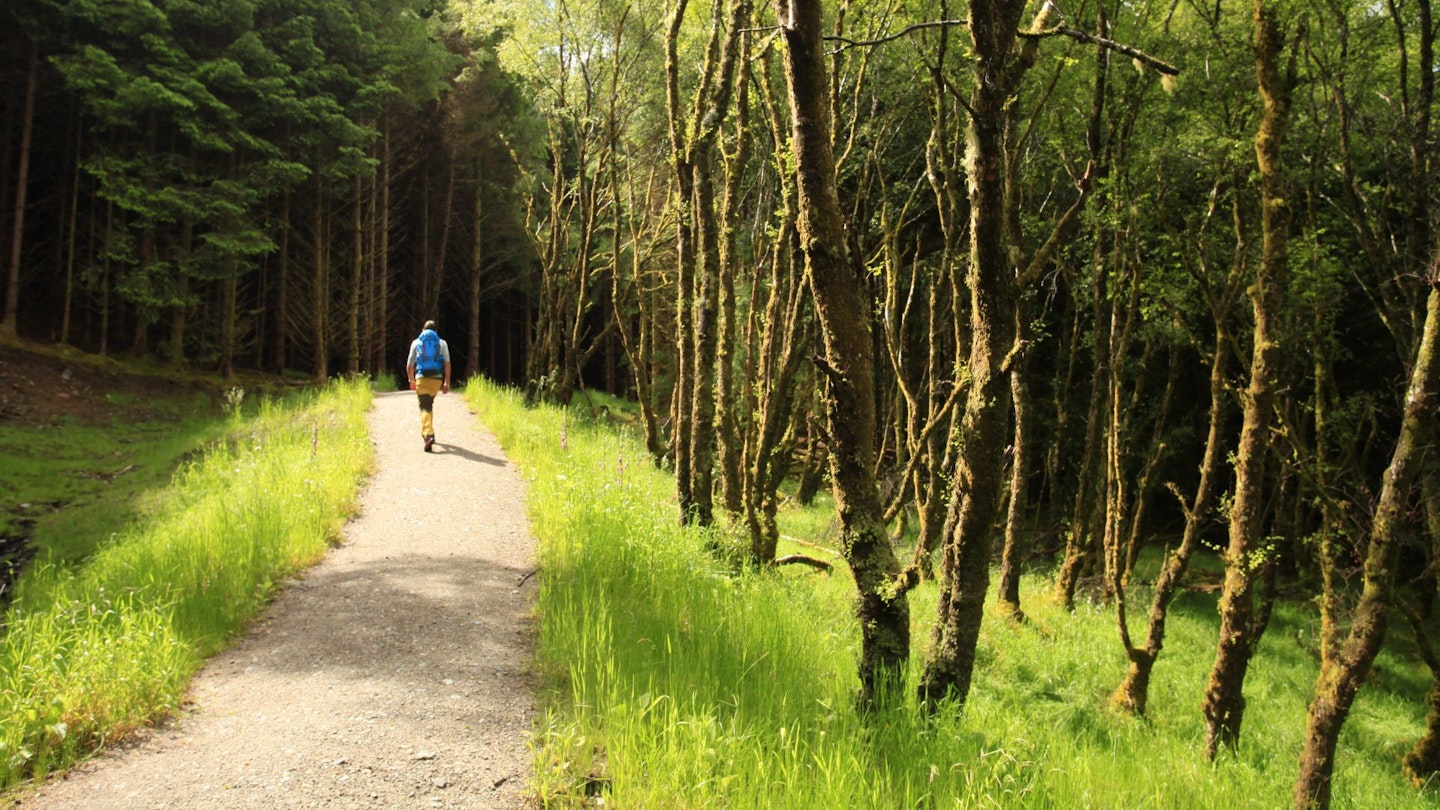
column 469, row 455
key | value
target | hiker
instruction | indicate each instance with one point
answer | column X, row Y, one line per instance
column 428, row 368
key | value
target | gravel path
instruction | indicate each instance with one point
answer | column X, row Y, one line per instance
column 393, row 674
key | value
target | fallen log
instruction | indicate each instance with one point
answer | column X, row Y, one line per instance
column 801, row 559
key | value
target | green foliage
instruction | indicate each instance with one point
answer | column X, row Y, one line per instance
column 94, row 649
column 202, row 115
column 385, row 382
column 672, row 680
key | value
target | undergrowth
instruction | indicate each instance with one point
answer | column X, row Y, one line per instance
column 675, row 680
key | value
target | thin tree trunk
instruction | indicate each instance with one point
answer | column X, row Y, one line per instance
column 282, row 289
column 1343, row 672
column 1070, row 342
column 383, row 257
column 105, row 271
column 229, row 294
column 817, row 460
column 1081, row 540
column 1133, row 693
column 477, row 269
column 729, row 439
column 321, row 301
column 1008, row 592
column 698, row 270
column 1224, row 702
column 684, row 389
column 22, row 185
column 430, row 305
column 179, row 314
column 357, row 275
column 71, row 237
column 371, row 351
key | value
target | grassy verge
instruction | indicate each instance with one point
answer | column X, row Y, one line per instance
column 64, row 488
column 674, row 682
column 96, row 648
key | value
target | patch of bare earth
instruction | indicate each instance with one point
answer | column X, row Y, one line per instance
column 392, row 674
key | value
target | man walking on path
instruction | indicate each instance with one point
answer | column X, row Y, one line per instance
column 428, row 367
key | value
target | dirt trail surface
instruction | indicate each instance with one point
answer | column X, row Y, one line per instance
column 393, row 674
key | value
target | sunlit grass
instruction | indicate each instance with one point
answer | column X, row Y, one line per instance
column 94, row 649
column 674, row 681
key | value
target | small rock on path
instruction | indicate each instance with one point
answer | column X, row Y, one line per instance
column 392, row 674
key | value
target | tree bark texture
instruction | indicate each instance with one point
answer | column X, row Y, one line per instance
column 965, row 557
column 1342, row 673
column 681, row 404
column 1224, row 703
column 848, row 366
column 706, row 303
column 730, row 441
column 1007, row 594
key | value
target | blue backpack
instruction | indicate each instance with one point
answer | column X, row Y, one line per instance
column 430, row 363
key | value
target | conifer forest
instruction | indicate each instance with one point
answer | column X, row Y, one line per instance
column 1041, row 284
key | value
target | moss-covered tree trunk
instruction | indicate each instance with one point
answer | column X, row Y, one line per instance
column 882, row 607
column 682, row 400
column 730, row 439
column 779, row 340
column 1347, row 664
column 1007, row 596
column 707, row 311
column 1133, row 693
column 692, row 143
column 1224, row 703
column 965, row 557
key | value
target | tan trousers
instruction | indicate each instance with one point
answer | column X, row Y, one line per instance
column 427, row 388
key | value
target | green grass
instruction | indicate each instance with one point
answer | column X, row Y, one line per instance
column 67, row 486
column 96, row 648
column 673, row 681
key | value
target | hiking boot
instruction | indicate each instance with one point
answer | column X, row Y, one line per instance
column 429, row 443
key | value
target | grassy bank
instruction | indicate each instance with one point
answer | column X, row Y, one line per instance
column 65, row 486
column 674, row 682
column 94, row 648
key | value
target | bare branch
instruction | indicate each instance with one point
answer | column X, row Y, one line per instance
column 905, row 32
column 1058, row 31
column 1110, row 44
